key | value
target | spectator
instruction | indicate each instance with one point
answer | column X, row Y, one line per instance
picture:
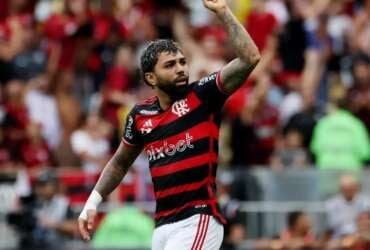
column 117, row 85
column 62, row 86
column 358, row 95
column 31, row 61
column 44, row 219
column 340, row 141
column 260, row 23
column 198, row 16
column 290, row 153
column 132, row 22
column 16, row 117
column 360, row 33
column 205, row 55
column 362, row 234
column 34, row 150
column 54, row 214
column 291, row 104
column 5, row 156
column 235, row 230
column 90, row 144
column 306, row 118
column 343, row 209
column 14, row 35
column 254, row 133
column 67, row 32
column 299, row 234
column 42, row 108
column 126, row 227
column 359, row 240
column 292, row 40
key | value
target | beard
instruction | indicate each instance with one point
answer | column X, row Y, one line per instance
column 173, row 90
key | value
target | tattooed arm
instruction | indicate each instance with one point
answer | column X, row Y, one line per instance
column 116, row 169
column 234, row 74
column 110, row 178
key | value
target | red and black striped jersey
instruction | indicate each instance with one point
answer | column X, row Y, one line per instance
column 182, row 148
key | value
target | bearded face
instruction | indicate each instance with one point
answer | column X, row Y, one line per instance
column 171, row 74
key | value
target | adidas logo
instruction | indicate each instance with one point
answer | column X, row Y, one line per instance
column 147, row 127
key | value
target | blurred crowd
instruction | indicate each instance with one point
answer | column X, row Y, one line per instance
column 347, row 216
column 69, row 74
column 82, row 56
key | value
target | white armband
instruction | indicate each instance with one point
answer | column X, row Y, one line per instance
column 92, row 203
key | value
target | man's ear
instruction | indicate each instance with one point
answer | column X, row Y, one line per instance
column 150, row 78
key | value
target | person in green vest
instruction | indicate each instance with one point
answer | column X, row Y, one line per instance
column 340, row 141
column 126, row 227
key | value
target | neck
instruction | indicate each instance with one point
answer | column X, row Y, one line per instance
column 165, row 100
column 349, row 199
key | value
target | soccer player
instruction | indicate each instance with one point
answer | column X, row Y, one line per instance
column 178, row 129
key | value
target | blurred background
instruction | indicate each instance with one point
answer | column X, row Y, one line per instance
column 294, row 139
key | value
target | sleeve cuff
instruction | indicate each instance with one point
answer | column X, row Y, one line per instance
column 220, row 85
column 127, row 143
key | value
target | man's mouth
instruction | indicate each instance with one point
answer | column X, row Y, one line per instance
column 181, row 81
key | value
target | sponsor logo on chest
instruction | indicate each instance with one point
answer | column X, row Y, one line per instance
column 166, row 149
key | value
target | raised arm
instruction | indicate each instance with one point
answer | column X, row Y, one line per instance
column 110, row 178
column 234, row 74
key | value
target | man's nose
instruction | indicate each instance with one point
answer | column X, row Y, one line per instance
column 180, row 69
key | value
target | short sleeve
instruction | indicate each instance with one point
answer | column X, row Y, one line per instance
column 131, row 135
column 210, row 89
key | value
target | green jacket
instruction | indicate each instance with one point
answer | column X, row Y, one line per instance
column 124, row 227
column 340, row 141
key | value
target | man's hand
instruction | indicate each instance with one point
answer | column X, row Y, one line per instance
column 86, row 226
column 110, row 178
column 216, row 6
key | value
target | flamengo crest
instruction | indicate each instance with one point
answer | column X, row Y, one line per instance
column 180, row 108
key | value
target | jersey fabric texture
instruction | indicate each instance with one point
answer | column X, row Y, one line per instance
column 182, row 148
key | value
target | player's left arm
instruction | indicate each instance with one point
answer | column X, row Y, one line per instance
column 234, row 74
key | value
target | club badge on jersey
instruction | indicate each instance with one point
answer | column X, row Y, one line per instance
column 180, row 108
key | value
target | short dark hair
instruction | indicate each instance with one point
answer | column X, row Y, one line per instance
column 149, row 57
column 359, row 57
column 293, row 218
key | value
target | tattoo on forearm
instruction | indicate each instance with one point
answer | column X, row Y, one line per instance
column 239, row 37
column 111, row 176
column 115, row 170
column 235, row 73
